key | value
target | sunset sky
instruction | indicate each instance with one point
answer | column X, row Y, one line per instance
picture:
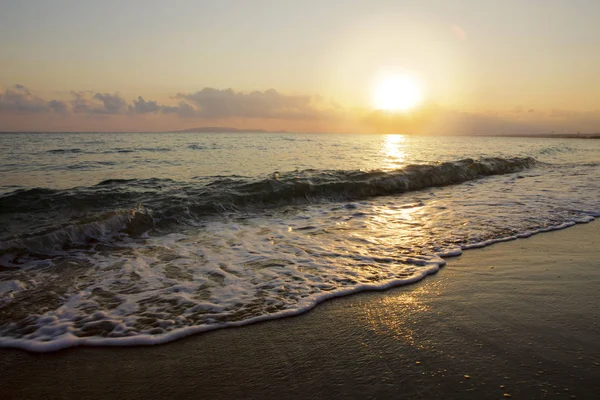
column 313, row 66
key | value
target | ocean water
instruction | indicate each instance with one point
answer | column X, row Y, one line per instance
column 126, row 239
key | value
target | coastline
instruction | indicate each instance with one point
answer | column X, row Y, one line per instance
column 219, row 130
column 520, row 314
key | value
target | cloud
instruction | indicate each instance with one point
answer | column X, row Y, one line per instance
column 270, row 104
column 466, row 123
column 98, row 104
column 58, row 106
column 80, row 103
column 112, row 103
column 141, row 106
column 209, row 103
column 437, row 120
column 19, row 99
column 183, row 109
column 276, row 110
column 23, row 89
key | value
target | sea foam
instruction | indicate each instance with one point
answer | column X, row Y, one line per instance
column 145, row 260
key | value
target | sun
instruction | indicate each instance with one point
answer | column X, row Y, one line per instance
column 397, row 93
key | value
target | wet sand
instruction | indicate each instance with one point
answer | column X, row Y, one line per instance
column 518, row 319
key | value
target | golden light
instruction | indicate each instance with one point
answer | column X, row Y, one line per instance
column 393, row 148
column 397, row 93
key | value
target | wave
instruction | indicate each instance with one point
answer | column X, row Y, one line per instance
column 555, row 149
column 362, row 184
column 83, row 232
column 136, row 150
column 112, row 151
column 55, row 218
column 86, row 165
column 93, row 274
column 230, row 193
column 64, row 151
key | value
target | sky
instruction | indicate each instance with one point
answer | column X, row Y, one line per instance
column 143, row 65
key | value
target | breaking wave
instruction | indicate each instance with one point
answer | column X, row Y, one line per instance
column 147, row 261
column 46, row 219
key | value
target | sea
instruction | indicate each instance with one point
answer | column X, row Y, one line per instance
column 143, row 238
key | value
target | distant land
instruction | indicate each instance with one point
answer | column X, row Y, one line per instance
column 225, row 129
column 549, row 135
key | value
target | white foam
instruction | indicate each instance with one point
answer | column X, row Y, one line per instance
column 57, row 337
column 55, row 331
column 231, row 271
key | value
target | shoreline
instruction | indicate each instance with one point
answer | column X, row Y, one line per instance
column 422, row 339
column 147, row 340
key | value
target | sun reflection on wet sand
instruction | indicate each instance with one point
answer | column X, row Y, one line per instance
column 397, row 315
column 393, row 149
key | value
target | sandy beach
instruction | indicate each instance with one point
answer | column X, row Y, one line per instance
column 518, row 319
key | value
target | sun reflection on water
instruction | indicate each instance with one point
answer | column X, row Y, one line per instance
column 389, row 226
column 393, row 149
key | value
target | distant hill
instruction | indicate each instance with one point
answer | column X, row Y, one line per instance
column 549, row 135
column 225, row 129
